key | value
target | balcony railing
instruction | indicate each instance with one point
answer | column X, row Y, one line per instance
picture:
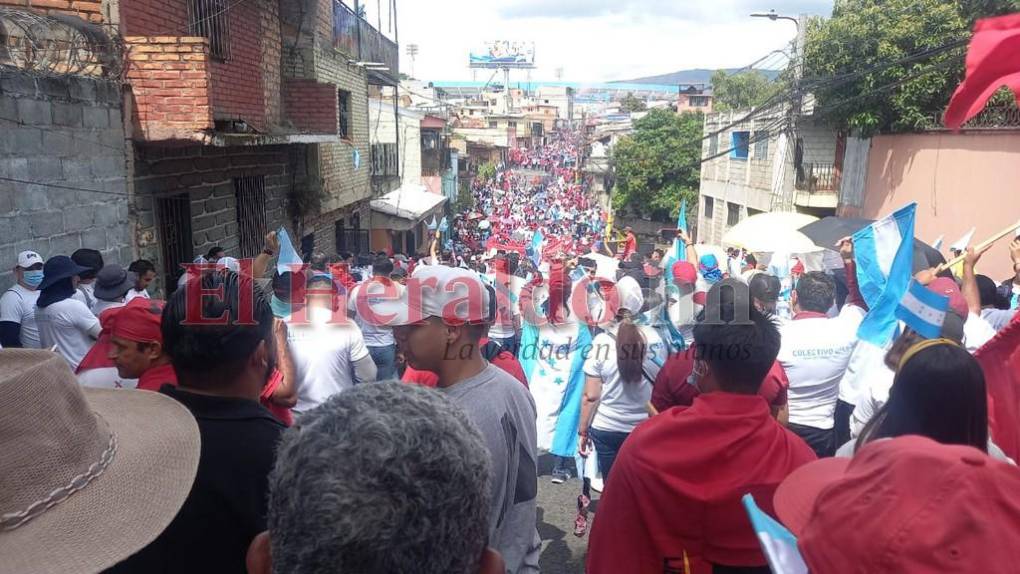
column 385, row 160
column 814, row 177
column 345, row 29
column 375, row 47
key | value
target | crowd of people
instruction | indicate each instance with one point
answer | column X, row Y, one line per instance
column 386, row 412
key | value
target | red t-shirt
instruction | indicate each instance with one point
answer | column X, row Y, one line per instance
column 677, row 482
column 672, row 389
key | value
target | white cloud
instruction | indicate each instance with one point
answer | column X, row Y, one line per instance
column 594, row 40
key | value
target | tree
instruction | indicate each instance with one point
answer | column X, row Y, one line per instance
column 658, row 164
column 742, row 90
column 864, row 36
column 631, row 103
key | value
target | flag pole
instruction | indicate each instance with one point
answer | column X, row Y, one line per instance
column 979, row 247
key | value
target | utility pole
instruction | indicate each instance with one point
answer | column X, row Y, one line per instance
column 412, row 51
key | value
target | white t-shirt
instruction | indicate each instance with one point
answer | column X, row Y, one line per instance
column 17, row 305
column 324, row 355
column 503, row 326
column 102, row 305
column 623, row 405
column 976, row 332
column 375, row 335
column 86, row 293
column 135, row 293
column 70, row 326
column 876, row 394
column 105, row 378
column 814, row 353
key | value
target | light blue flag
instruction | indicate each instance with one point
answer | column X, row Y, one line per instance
column 536, row 247
column 778, row 544
column 884, row 252
column 679, row 247
column 443, row 225
column 288, row 255
column 923, row 310
column 432, row 224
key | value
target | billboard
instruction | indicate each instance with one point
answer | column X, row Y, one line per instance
column 504, row 54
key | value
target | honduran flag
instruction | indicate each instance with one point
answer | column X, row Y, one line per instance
column 923, row 310
column 884, row 252
column 778, row 544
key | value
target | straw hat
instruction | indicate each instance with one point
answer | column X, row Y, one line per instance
column 88, row 476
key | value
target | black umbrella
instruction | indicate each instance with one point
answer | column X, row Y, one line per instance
column 827, row 231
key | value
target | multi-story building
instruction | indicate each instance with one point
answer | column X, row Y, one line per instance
column 754, row 165
column 694, row 98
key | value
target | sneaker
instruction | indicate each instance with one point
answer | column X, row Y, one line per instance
column 581, row 521
column 560, row 475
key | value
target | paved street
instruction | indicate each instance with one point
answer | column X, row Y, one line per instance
column 562, row 552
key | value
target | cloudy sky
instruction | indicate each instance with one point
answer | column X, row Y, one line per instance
column 593, row 40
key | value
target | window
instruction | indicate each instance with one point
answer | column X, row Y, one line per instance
column 344, row 109
column 429, row 140
column 493, row 125
column 732, row 214
column 208, row 18
column 511, row 125
column 250, row 193
column 751, row 211
column 741, row 142
column 697, row 101
column 761, row 146
column 713, row 145
column 174, row 216
column 709, row 207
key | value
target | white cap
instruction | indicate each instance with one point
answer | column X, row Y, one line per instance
column 454, row 294
column 230, row 263
column 27, row 259
column 630, row 295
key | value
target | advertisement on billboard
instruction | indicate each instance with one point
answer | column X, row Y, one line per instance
column 504, row 54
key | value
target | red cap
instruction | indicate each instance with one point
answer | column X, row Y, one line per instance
column 684, row 273
column 139, row 320
column 907, row 504
column 948, row 288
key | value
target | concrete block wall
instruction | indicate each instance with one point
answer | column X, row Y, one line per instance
column 65, row 131
column 170, row 82
column 207, row 174
column 91, row 11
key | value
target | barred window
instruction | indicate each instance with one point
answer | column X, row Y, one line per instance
column 252, row 227
column 209, row 19
column 344, row 109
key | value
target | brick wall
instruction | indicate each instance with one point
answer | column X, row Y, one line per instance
column 247, row 84
column 170, row 79
column 207, row 174
column 66, row 131
column 311, row 106
column 91, row 11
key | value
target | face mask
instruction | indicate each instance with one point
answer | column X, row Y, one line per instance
column 696, row 373
column 33, row 278
column 280, row 307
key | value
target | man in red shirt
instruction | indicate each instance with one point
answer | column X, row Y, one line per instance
column 629, row 244
column 674, row 494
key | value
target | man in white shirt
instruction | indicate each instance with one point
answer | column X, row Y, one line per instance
column 815, row 352
column 112, row 286
column 93, row 260
column 64, row 322
column 18, row 327
column 146, row 272
column 378, row 338
column 327, row 350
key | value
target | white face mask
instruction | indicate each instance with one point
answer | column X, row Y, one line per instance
column 696, row 374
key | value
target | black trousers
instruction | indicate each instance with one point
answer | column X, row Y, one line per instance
column 823, row 442
column 842, row 428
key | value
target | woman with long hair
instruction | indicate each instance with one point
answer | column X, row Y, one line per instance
column 620, row 371
column 938, row 392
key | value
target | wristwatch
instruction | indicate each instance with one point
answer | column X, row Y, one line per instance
column 268, row 251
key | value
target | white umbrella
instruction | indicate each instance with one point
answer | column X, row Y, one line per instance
column 772, row 232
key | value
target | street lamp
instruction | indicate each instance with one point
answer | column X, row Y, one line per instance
column 771, row 15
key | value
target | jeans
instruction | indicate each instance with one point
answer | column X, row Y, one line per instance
column 823, row 442
column 607, row 445
column 385, row 359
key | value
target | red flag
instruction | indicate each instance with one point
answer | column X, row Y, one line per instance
column 1000, row 361
column 993, row 62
